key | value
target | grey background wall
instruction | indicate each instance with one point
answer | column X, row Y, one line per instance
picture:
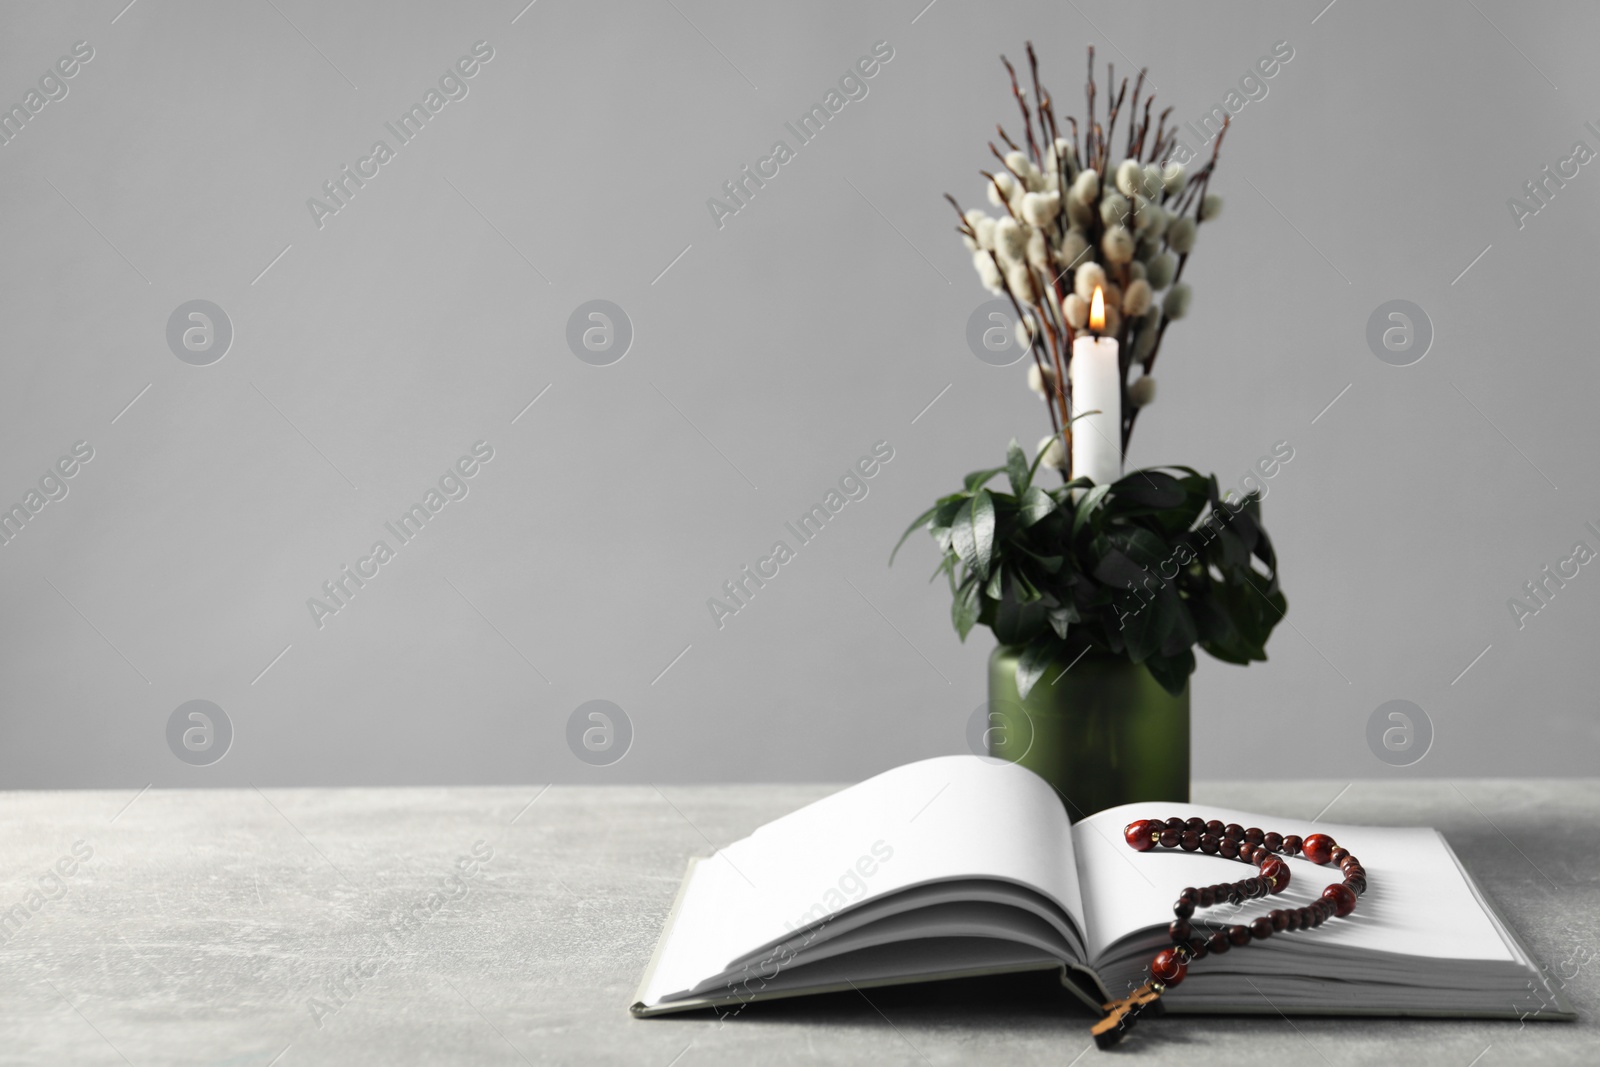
column 370, row 353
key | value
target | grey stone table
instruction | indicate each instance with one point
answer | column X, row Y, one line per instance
column 511, row 925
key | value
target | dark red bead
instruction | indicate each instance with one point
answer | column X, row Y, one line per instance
column 1228, row 848
column 1305, row 918
column 1179, row 930
column 1167, row 968
column 1259, row 854
column 1198, row 949
column 1189, row 893
column 1209, row 843
column 1273, row 842
column 1194, row 824
column 1218, row 943
column 1291, row 844
column 1254, row 835
column 1318, row 848
column 1252, row 887
column 1189, row 841
column 1175, row 823
column 1318, row 916
column 1280, row 919
column 1207, row 897
column 1276, row 872
column 1239, row 935
column 1342, row 897
column 1183, row 908
column 1348, row 862
column 1215, row 827
column 1261, row 928
column 1169, row 838
column 1358, row 882
column 1338, row 855
column 1293, row 917
column 1233, row 829
column 1137, row 835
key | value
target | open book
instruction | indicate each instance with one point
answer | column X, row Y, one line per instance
column 961, row 866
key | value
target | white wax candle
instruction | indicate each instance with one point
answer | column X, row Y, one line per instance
column 1096, row 386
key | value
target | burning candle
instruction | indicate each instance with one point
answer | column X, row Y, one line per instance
column 1096, row 377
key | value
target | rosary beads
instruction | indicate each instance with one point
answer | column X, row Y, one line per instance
column 1232, row 841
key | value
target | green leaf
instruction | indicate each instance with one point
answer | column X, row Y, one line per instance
column 964, row 608
column 1016, row 623
column 1172, row 672
column 975, row 480
column 1060, row 618
column 1025, row 591
column 1149, row 489
column 1017, row 468
column 981, row 512
column 962, row 540
column 1141, row 545
column 1036, row 504
column 1183, row 633
column 1051, row 564
column 1041, row 652
column 1087, row 505
column 949, row 506
column 1119, row 572
column 922, row 520
column 1140, row 620
column 996, row 584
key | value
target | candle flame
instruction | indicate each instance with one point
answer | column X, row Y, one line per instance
column 1097, row 311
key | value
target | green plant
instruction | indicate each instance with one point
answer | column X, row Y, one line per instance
column 1145, row 568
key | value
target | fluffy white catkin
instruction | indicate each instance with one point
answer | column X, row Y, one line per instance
column 1009, row 240
column 1176, row 305
column 1044, row 384
column 1086, row 278
column 1054, row 452
column 1040, row 209
column 1002, row 189
column 1075, row 309
column 1160, row 269
column 988, row 273
column 1130, row 177
column 1117, row 245
column 1137, row 300
column 1180, row 235
column 1020, row 279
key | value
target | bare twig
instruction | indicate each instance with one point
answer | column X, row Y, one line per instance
column 1022, row 104
column 1199, row 200
column 1137, row 85
column 1089, row 126
column 1038, row 100
column 1111, row 123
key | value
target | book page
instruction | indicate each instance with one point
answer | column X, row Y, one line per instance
column 1418, row 903
column 953, row 817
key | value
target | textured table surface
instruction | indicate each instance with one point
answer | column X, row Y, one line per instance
column 298, row 927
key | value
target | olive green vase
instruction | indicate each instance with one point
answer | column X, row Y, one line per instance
column 1103, row 731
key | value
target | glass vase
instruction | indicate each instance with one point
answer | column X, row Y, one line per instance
column 1102, row 731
